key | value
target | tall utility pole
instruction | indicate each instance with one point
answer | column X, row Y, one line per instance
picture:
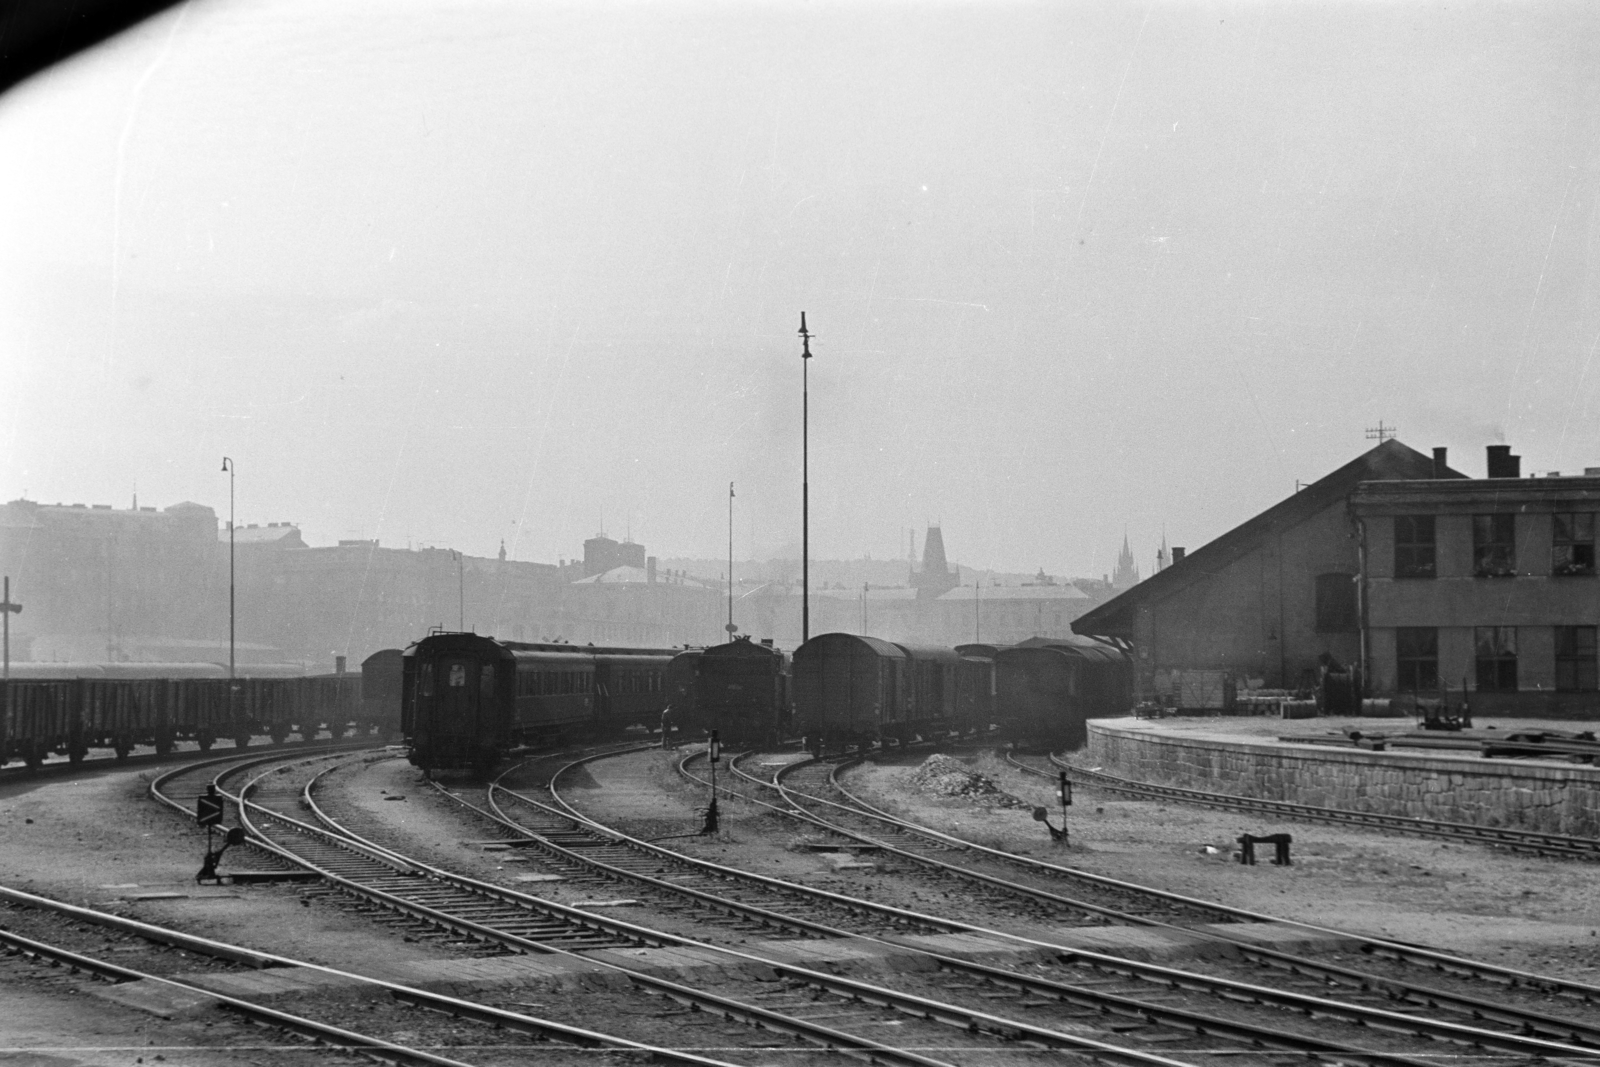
column 461, row 593
column 227, row 465
column 977, row 625
column 7, row 609
column 732, row 629
column 805, row 481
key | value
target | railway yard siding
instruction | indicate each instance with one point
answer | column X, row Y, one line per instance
column 1544, row 797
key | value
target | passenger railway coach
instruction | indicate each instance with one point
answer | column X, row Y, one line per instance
column 468, row 699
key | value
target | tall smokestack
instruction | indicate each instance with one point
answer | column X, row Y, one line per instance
column 1439, row 464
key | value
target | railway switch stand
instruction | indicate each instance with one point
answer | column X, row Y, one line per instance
column 1280, row 843
column 1059, row 836
column 208, row 813
column 1064, row 794
column 713, row 753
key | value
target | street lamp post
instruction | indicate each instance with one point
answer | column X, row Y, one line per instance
column 805, row 481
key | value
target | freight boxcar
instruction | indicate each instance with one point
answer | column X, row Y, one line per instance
column 382, row 677
column 1047, row 690
column 850, row 690
column 122, row 705
column 931, row 708
column 975, row 686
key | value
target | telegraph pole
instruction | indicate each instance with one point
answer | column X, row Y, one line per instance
column 461, row 593
column 805, row 481
column 7, row 609
column 227, row 465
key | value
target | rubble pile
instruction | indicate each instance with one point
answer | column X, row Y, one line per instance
column 941, row 776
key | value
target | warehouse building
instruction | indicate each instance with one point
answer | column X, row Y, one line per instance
column 1483, row 585
column 1269, row 599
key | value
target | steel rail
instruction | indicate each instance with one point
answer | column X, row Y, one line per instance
column 1521, row 840
column 1529, row 1022
column 66, row 769
column 1407, row 1025
column 958, row 844
column 1434, row 959
column 823, row 1036
column 1543, row 1026
column 335, row 1037
column 1120, row 1005
column 419, row 997
column 921, row 1007
column 1559, row 1031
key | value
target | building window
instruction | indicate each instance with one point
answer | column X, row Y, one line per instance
column 1576, row 664
column 1336, row 604
column 1416, row 654
column 1413, row 546
column 1573, row 551
column 1496, row 658
column 1494, row 545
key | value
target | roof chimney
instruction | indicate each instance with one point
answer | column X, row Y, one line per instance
column 1177, row 554
column 1502, row 464
column 1440, row 467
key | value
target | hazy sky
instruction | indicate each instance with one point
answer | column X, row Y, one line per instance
column 452, row 272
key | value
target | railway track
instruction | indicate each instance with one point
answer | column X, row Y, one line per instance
column 813, row 1002
column 1042, row 1012
column 546, row 1037
column 1133, row 980
column 1519, row 840
column 1290, row 971
column 64, row 767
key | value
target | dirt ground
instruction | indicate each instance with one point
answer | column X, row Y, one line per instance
column 1539, row 914
column 101, row 842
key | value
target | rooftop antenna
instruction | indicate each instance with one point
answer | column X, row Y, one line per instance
column 1380, row 432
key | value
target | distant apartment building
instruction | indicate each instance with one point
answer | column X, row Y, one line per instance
column 105, row 584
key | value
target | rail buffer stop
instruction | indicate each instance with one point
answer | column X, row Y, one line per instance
column 1279, row 842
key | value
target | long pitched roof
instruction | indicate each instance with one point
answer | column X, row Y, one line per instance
column 1389, row 461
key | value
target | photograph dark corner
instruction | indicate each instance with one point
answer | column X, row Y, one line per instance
column 1170, row 423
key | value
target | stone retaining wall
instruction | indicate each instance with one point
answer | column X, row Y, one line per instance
column 1551, row 799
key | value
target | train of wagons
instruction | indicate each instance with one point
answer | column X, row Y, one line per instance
column 68, row 709
column 468, row 699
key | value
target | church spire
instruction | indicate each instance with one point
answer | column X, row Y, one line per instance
column 1127, row 573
